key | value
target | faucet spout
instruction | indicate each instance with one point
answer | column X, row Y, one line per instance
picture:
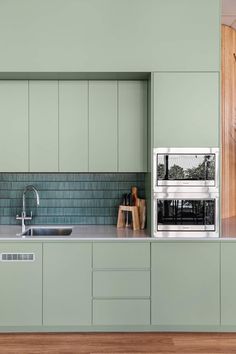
column 29, row 188
column 23, row 216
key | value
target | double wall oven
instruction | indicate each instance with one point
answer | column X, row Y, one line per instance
column 186, row 192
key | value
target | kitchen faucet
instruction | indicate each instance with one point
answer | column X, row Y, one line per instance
column 23, row 216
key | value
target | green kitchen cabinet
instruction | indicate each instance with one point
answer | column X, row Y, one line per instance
column 185, row 283
column 67, row 284
column 103, row 126
column 121, row 283
column 122, row 255
column 43, row 126
column 110, row 35
column 123, row 312
column 228, row 284
column 186, row 110
column 14, row 126
column 73, row 126
column 132, row 126
column 21, row 284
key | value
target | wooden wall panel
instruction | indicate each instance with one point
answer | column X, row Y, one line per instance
column 228, row 106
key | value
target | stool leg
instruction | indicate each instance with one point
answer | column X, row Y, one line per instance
column 135, row 217
column 120, row 219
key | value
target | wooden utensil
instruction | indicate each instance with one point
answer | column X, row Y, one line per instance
column 142, row 213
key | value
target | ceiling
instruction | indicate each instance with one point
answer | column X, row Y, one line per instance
column 229, row 13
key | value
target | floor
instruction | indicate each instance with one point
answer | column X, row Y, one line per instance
column 118, row 343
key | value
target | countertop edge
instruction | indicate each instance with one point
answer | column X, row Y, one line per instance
column 115, row 239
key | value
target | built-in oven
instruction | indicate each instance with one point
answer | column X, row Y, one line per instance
column 185, row 167
column 186, row 215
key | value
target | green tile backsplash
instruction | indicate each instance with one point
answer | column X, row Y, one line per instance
column 67, row 198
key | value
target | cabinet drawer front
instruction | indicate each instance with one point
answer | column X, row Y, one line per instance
column 121, row 283
column 121, row 312
column 121, row 255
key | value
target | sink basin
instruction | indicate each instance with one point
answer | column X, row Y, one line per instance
column 48, row 231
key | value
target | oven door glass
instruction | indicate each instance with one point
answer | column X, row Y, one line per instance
column 173, row 169
column 186, row 214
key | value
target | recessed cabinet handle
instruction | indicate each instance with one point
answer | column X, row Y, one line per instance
column 17, row 257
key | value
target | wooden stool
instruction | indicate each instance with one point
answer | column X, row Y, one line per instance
column 134, row 213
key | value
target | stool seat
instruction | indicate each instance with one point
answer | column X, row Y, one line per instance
column 134, row 213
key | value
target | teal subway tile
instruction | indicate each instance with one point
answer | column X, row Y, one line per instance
column 5, row 185
column 44, row 177
column 5, row 203
column 6, row 220
column 80, row 195
column 67, row 198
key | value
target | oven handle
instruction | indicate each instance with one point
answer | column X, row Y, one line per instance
column 186, row 195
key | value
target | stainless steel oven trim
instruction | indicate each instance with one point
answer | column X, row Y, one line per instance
column 199, row 185
column 186, row 150
column 187, row 183
column 186, row 228
column 186, row 231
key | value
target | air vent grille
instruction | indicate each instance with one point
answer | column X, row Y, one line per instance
column 17, row 257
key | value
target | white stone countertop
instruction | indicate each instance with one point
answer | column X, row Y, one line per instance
column 79, row 232
column 85, row 233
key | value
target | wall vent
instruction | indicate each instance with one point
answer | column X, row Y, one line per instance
column 17, row 257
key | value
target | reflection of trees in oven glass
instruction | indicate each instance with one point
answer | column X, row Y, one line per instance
column 182, row 211
column 209, row 212
column 176, row 172
column 205, row 170
column 160, row 171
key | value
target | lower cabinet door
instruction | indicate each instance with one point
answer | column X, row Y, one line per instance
column 121, row 312
column 185, row 283
column 20, row 284
column 228, row 284
column 67, row 284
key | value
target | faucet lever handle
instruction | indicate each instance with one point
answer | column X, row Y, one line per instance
column 28, row 217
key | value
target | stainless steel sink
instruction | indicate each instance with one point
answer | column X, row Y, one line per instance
column 56, row 231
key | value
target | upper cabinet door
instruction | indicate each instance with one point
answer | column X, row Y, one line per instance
column 186, row 110
column 102, row 126
column 14, row 126
column 73, row 126
column 132, row 122
column 114, row 35
column 43, row 123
